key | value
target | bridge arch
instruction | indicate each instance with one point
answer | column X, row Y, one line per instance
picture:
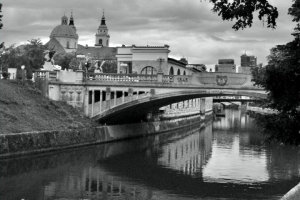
column 138, row 108
column 171, row 72
column 178, row 71
column 149, row 70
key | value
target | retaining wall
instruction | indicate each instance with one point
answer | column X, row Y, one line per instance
column 41, row 141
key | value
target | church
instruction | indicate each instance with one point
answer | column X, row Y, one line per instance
column 64, row 39
column 129, row 59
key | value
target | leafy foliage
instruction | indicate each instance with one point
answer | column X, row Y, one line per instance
column 242, row 11
column 1, row 24
column 64, row 59
column 282, row 127
column 34, row 53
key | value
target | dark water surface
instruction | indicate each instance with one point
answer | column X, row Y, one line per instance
column 225, row 160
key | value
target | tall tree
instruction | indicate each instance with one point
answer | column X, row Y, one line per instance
column 1, row 24
column 34, row 51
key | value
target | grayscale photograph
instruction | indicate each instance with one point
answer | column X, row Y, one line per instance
column 150, row 99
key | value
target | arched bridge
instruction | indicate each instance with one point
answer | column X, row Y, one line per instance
column 113, row 97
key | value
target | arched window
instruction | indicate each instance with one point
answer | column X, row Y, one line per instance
column 178, row 72
column 149, row 70
column 171, row 71
column 100, row 41
column 184, row 73
column 68, row 45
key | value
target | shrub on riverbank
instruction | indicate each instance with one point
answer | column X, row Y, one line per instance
column 280, row 127
column 23, row 108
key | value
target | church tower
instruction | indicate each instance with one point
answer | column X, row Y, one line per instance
column 102, row 36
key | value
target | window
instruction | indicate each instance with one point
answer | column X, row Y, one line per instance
column 100, row 41
column 68, row 45
column 171, row 71
column 178, row 72
column 184, row 73
column 149, row 70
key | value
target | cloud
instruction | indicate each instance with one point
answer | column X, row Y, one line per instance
column 189, row 27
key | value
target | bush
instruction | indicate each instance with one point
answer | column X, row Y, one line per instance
column 5, row 75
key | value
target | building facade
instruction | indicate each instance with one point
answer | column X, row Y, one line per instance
column 247, row 62
column 102, row 36
column 226, row 65
column 149, row 60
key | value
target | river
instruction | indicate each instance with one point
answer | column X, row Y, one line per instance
column 226, row 159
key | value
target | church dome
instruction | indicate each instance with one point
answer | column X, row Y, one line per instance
column 64, row 31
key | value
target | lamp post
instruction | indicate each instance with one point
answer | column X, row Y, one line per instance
column 160, row 60
column 23, row 74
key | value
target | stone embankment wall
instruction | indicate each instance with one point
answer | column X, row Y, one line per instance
column 293, row 194
column 42, row 141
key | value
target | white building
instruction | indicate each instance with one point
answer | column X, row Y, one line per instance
column 149, row 60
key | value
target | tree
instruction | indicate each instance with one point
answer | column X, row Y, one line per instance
column 1, row 25
column 242, row 11
column 34, row 53
column 64, row 59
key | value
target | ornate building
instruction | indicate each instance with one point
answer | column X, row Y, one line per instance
column 63, row 37
column 102, row 37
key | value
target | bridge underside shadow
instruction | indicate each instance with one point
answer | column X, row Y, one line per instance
column 137, row 110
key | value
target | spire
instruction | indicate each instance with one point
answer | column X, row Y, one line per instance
column 64, row 20
column 71, row 23
column 103, row 19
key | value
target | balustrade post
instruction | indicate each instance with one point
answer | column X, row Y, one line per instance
column 100, row 102
column 130, row 93
column 93, row 101
column 108, row 95
column 123, row 96
column 115, row 97
column 86, row 102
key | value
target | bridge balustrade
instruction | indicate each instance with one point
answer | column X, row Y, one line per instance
column 49, row 75
column 122, row 77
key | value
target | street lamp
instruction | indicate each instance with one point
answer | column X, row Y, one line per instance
column 160, row 60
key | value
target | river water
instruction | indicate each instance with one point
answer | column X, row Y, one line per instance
column 227, row 159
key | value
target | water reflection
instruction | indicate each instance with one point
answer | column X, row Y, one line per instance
column 225, row 160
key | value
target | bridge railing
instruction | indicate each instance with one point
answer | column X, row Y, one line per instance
column 49, row 75
column 121, row 77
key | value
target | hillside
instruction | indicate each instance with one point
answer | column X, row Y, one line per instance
column 22, row 109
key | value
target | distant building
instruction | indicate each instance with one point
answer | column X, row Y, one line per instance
column 63, row 37
column 225, row 65
column 149, row 60
column 247, row 62
column 102, row 36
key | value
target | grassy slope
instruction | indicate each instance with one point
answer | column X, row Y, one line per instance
column 22, row 109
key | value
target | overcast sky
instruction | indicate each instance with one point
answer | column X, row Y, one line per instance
column 190, row 27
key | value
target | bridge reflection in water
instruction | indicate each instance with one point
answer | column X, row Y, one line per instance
column 225, row 160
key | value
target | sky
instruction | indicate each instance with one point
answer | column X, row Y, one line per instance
column 189, row 27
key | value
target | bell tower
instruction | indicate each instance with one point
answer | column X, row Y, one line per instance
column 102, row 36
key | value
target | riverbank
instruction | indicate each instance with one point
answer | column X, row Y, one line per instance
column 24, row 109
column 19, row 144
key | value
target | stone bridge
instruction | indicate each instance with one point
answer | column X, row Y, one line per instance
column 114, row 97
